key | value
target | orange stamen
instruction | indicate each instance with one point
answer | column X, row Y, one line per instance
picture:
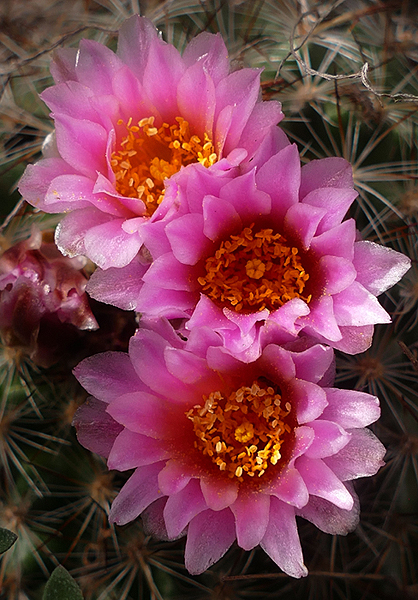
column 253, row 271
column 147, row 155
column 242, row 433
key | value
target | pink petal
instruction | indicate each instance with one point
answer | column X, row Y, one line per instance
column 274, row 142
column 37, row 178
column 173, row 304
column 337, row 272
column 337, row 241
column 186, row 239
column 108, row 375
column 378, row 267
column 289, row 487
column 138, row 492
column 278, row 364
column 196, row 99
column 251, row 518
column 356, row 306
column 153, row 520
column 240, row 89
column 108, row 245
column 187, row 367
column 162, row 73
column 207, row 314
column 248, row 201
column 361, row 457
column 96, row 65
column 173, row 478
column 132, row 450
column 264, row 116
column 135, row 37
column 211, row 52
column 280, row 178
column 131, row 98
column 182, row 507
column 351, row 408
column 82, row 144
column 69, row 192
column 331, row 172
column 144, row 413
column 328, row 517
column 63, row 64
column 310, row 400
column 301, row 222
column 96, row 430
column 321, row 481
column 209, row 536
column 329, row 439
column 313, row 363
column 322, row 319
column 286, row 317
column 118, row 286
column 281, row 541
column 219, row 491
column 147, row 351
column 323, row 198
column 71, row 231
column 220, row 219
column 172, row 274
column 71, row 98
column 355, row 339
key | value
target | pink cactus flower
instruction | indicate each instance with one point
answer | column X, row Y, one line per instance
column 127, row 122
column 262, row 257
column 224, row 450
column 40, row 289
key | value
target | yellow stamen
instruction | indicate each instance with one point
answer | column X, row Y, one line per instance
column 252, row 271
column 147, row 155
column 224, row 425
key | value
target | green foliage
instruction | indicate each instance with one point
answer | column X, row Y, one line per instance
column 7, row 539
column 61, row 586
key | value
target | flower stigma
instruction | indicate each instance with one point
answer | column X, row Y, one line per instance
column 243, row 432
column 253, row 271
column 147, row 155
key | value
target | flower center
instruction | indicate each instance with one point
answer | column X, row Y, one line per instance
column 242, row 433
column 148, row 155
column 253, row 271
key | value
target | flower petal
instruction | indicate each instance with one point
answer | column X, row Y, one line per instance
column 378, row 267
column 209, row 536
column 280, row 178
column 108, row 375
column 361, row 457
column 333, row 172
column 182, row 507
column 329, row 439
column 351, row 408
column 138, row 492
column 132, row 450
column 219, row 492
column 96, row 430
column 144, row 413
column 281, row 541
column 321, row 481
column 251, row 518
column 328, row 517
column 118, row 286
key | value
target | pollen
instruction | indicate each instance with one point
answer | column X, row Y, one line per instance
column 255, row 270
column 148, row 155
column 242, row 433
